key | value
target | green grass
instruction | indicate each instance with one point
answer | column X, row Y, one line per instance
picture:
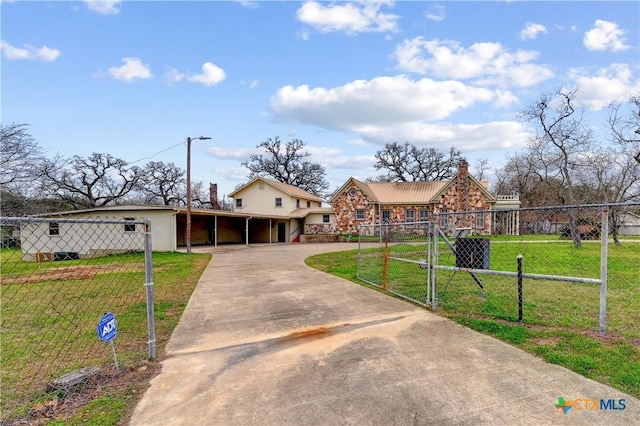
column 560, row 321
column 50, row 312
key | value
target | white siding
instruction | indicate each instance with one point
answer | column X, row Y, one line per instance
column 263, row 201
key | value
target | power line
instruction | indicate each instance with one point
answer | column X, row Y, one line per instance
column 159, row 152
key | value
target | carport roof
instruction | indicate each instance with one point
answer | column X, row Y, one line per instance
column 139, row 209
column 300, row 213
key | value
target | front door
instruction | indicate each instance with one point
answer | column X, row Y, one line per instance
column 282, row 232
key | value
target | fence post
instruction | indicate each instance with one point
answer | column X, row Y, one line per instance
column 520, row 288
column 434, row 273
column 604, row 253
column 148, row 272
column 385, row 263
column 429, row 265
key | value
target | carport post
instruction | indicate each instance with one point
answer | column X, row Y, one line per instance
column 246, row 232
column 215, row 231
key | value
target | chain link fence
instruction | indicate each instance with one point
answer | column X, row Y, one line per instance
column 59, row 279
column 571, row 267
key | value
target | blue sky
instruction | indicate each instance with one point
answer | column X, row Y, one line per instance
column 133, row 78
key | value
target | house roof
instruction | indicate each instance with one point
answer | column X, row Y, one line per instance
column 407, row 192
column 300, row 213
column 290, row 190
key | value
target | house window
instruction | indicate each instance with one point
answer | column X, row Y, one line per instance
column 297, row 204
column 424, row 215
column 360, row 214
column 444, row 218
column 239, row 203
column 386, row 216
column 409, row 215
column 479, row 218
column 278, row 202
column 325, row 218
column 130, row 227
column 54, row 228
column 308, row 204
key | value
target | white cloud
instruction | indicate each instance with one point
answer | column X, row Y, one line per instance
column 247, row 3
column 235, row 175
column 605, row 35
column 437, row 13
column 531, row 31
column 351, row 17
column 237, row 153
column 104, row 7
column 43, row 53
column 383, row 100
column 174, row 75
column 614, row 83
column 504, row 98
column 211, row 75
column 489, row 63
column 251, row 84
column 466, row 137
column 397, row 108
column 132, row 69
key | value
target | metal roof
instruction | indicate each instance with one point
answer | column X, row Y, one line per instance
column 405, row 192
column 291, row 190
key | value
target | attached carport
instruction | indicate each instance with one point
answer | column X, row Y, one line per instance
column 213, row 227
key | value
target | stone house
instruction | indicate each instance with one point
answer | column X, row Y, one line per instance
column 372, row 203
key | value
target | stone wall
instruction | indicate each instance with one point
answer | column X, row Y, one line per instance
column 345, row 206
column 465, row 197
column 317, row 228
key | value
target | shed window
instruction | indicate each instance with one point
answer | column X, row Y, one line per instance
column 278, row 202
column 54, row 228
column 360, row 214
column 130, row 227
column 239, row 203
column 325, row 218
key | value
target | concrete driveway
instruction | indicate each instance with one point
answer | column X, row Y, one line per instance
column 266, row 340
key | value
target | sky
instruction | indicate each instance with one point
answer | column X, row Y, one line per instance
column 136, row 78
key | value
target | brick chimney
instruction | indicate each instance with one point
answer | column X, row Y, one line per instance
column 463, row 187
column 213, row 196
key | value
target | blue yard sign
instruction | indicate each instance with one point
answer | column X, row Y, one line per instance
column 108, row 327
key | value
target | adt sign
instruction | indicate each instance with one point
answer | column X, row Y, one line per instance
column 108, row 327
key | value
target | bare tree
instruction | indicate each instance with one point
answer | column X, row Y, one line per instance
column 287, row 163
column 613, row 176
column 96, row 181
column 559, row 138
column 408, row 163
column 19, row 154
column 482, row 165
column 200, row 196
column 625, row 124
column 162, row 182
